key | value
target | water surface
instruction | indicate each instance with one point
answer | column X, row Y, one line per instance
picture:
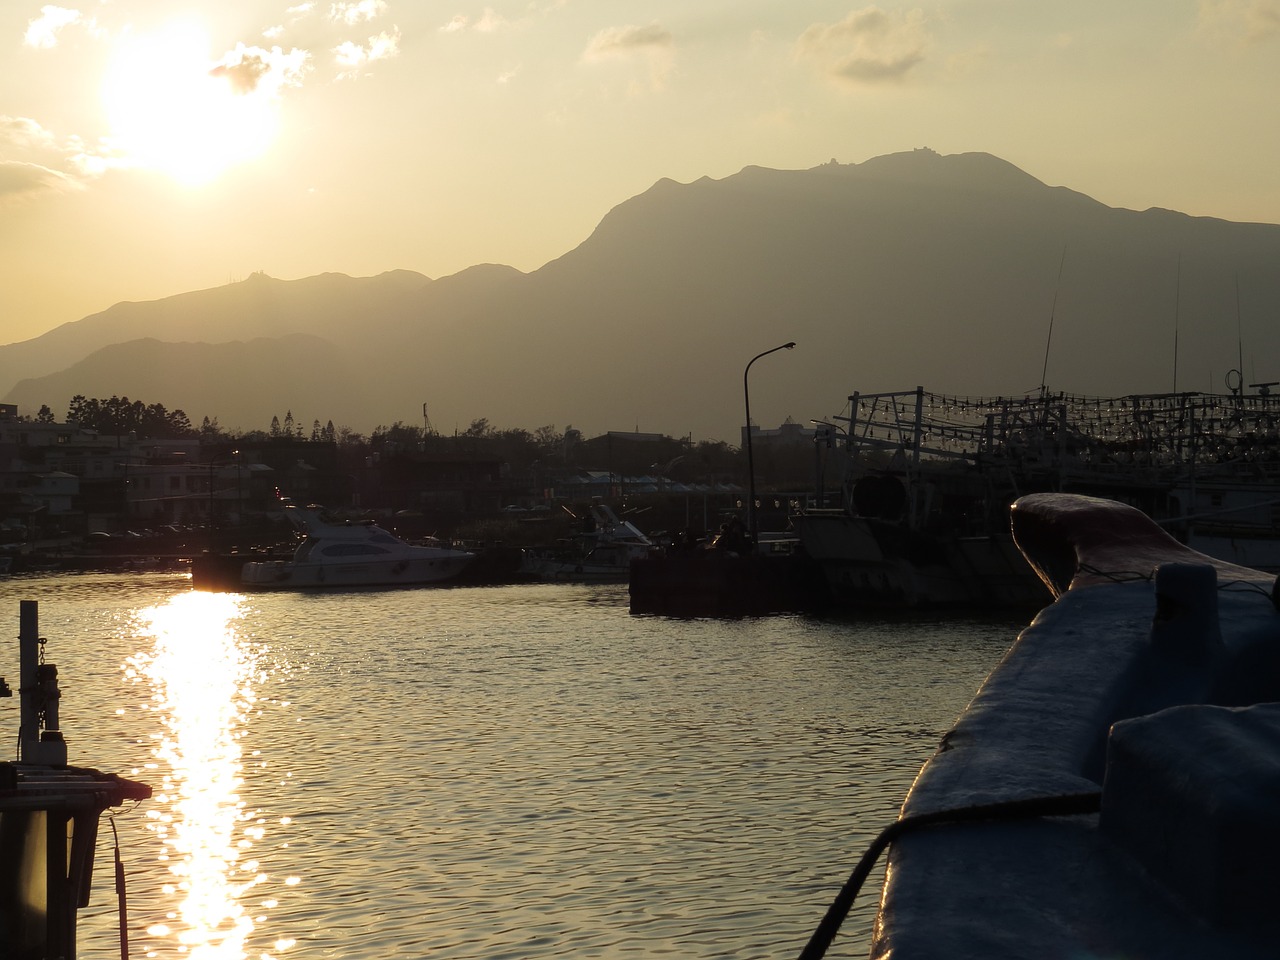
column 508, row 772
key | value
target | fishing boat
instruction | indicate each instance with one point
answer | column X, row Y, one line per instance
column 926, row 480
column 344, row 554
column 600, row 552
column 49, row 815
column 1111, row 790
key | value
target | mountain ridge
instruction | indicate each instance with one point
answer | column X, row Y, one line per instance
column 905, row 269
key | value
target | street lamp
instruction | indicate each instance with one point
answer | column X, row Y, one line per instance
column 752, row 525
column 223, row 460
column 819, row 464
column 239, row 499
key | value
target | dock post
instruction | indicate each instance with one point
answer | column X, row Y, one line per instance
column 40, row 740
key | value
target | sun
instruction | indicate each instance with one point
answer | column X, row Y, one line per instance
column 172, row 109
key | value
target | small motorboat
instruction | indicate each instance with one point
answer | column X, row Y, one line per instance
column 344, row 554
column 601, row 551
column 1112, row 789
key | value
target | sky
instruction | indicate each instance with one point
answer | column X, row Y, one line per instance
column 151, row 147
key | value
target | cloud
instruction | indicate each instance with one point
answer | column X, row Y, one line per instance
column 91, row 164
column 652, row 46
column 21, row 181
column 294, row 14
column 43, row 31
column 491, row 21
column 488, row 22
column 27, row 178
column 1246, row 21
column 359, row 12
column 352, row 56
column 255, row 70
column 244, row 74
column 23, row 133
column 48, row 163
column 869, row 46
column 626, row 41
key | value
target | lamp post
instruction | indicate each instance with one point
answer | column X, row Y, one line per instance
column 220, row 461
column 751, row 467
column 239, row 500
column 819, row 464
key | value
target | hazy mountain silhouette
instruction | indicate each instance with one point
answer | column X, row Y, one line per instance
column 324, row 305
column 907, row 269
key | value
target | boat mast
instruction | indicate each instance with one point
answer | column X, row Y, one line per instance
column 1044, row 371
column 1177, row 303
column 1239, row 338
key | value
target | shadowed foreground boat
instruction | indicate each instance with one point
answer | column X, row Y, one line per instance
column 1112, row 789
column 49, row 816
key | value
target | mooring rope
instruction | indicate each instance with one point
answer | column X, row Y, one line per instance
column 122, row 905
column 1061, row 806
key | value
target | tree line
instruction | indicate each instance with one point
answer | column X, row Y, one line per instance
column 119, row 416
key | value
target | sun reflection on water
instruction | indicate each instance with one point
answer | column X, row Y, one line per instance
column 202, row 675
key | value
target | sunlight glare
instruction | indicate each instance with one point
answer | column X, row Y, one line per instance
column 169, row 110
column 201, row 673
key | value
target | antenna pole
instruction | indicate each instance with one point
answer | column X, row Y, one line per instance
column 1177, row 302
column 1044, row 371
column 1239, row 337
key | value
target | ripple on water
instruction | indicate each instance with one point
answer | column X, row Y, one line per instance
column 524, row 772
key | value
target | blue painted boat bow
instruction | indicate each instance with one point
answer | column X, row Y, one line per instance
column 1147, row 683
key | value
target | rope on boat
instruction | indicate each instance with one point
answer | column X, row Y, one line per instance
column 1226, row 586
column 122, row 906
column 1061, row 806
column 1126, row 576
column 1208, row 514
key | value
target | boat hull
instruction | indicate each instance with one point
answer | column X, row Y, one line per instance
column 1154, row 667
column 869, row 563
column 291, row 575
column 569, row 571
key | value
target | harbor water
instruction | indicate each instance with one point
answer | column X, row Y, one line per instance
column 507, row 773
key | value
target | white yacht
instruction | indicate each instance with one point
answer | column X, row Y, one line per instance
column 343, row 553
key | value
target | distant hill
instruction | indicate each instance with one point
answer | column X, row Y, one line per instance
column 907, row 269
column 198, row 374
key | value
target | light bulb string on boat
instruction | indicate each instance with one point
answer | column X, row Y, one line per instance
column 1245, row 586
column 1226, row 586
column 1067, row 805
column 1115, row 576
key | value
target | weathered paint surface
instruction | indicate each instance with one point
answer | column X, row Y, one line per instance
column 1107, row 649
